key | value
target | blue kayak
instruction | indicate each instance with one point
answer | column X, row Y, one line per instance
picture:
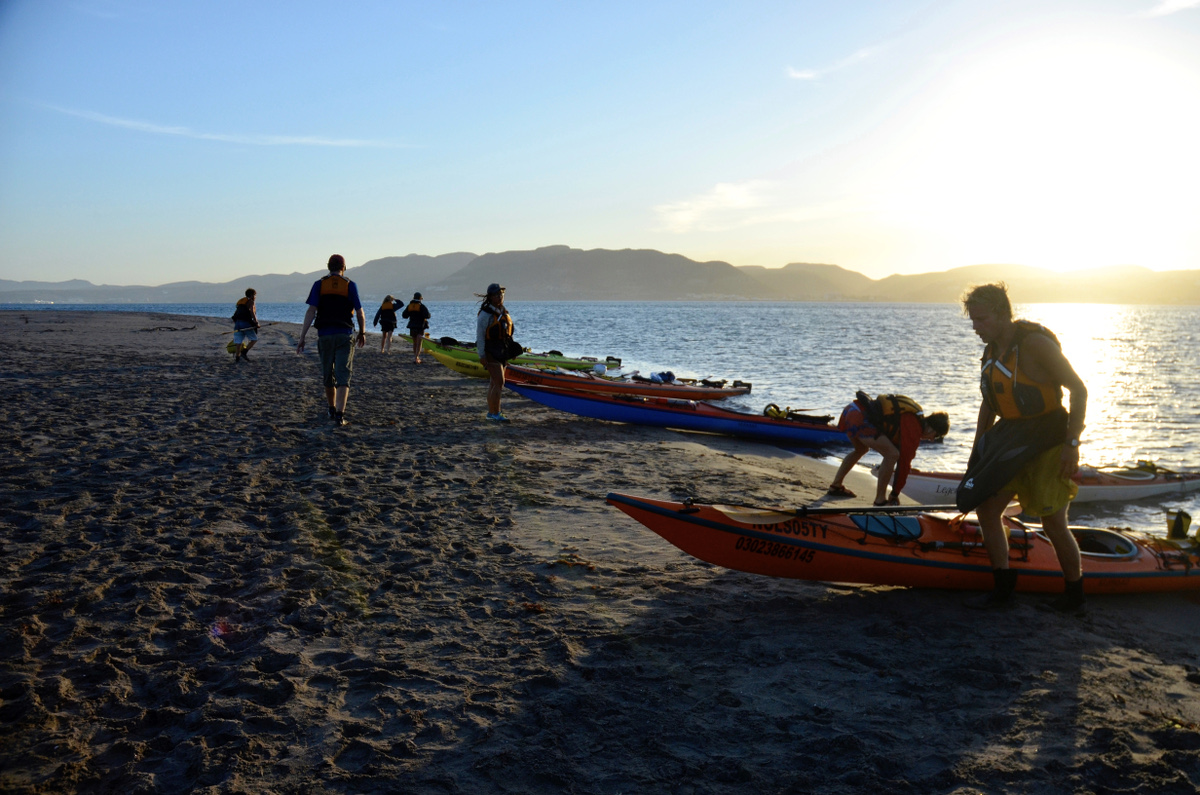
column 689, row 415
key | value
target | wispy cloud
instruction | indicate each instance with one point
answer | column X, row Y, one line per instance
column 1168, row 7
column 738, row 205
column 712, row 208
column 187, row 132
column 861, row 55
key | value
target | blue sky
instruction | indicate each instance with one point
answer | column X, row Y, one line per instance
column 144, row 142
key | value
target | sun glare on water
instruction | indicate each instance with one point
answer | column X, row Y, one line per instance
column 1106, row 346
column 1061, row 153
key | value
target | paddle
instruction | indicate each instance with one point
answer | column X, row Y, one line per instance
column 236, row 330
column 805, row 510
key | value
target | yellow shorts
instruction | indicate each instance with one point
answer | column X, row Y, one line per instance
column 1040, row 488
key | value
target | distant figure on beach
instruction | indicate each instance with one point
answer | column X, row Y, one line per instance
column 387, row 314
column 245, row 325
column 333, row 303
column 417, row 315
column 893, row 426
column 1033, row 450
column 493, row 341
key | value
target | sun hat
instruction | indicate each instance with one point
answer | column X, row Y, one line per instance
column 495, row 287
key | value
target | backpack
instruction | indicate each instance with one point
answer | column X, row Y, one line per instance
column 884, row 411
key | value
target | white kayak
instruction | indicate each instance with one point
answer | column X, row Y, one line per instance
column 1096, row 484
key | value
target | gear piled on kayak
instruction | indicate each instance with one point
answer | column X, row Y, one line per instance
column 773, row 410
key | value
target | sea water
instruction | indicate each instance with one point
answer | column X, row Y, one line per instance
column 1139, row 364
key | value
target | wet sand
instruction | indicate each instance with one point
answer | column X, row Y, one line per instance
column 205, row 586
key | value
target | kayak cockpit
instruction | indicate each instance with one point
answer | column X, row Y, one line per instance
column 893, row 528
column 1095, row 542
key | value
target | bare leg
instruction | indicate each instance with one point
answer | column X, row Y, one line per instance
column 330, row 396
column 848, row 462
column 991, row 524
column 495, row 386
column 1065, row 545
column 341, row 395
column 884, row 446
column 417, row 339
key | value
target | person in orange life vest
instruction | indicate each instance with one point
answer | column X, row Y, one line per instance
column 245, row 324
column 896, row 441
column 1033, row 450
column 493, row 328
column 417, row 315
column 333, row 305
column 386, row 313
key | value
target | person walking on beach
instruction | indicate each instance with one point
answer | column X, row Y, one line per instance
column 333, row 304
column 387, row 314
column 417, row 315
column 1033, row 450
column 493, row 341
column 245, row 326
column 893, row 426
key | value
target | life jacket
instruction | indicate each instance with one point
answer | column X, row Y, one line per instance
column 1007, row 390
column 500, row 327
column 884, row 412
column 242, row 313
column 388, row 306
column 334, row 307
column 414, row 306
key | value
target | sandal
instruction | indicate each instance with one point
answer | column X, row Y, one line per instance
column 840, row 491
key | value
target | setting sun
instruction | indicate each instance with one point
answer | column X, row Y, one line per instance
column 1061, row 152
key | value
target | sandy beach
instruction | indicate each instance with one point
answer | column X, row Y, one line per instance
column 205, row 586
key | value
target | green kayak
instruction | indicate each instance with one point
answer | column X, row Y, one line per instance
column 460, row 350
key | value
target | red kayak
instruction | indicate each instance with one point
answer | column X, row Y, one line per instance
column 609, row 385
column 889, row 546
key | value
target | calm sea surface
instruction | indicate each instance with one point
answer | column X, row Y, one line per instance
column 1139, row 363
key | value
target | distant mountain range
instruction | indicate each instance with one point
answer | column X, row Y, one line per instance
column 560, row 273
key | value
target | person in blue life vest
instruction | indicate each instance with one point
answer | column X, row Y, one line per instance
column 387, row 315
column 493, row 338
column 893, row 426
column 1026, row 443
column 333, row 305
column 417, row 315
column 245, row 325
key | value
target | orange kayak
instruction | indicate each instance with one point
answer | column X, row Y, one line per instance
column 887, row 546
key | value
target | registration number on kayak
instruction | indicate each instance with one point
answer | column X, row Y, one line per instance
column 774, row 549
column 800, row 527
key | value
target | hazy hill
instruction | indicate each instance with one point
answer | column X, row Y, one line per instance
column 560, row 273
column 563, row 273
column 1116, row 285
column 400, row 275
column 803, row 281
column 403, row 276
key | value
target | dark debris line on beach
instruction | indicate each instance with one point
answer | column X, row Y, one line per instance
column 205, row 587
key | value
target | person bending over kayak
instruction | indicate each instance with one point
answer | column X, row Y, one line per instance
column 893, row 426
column 1033, row 450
